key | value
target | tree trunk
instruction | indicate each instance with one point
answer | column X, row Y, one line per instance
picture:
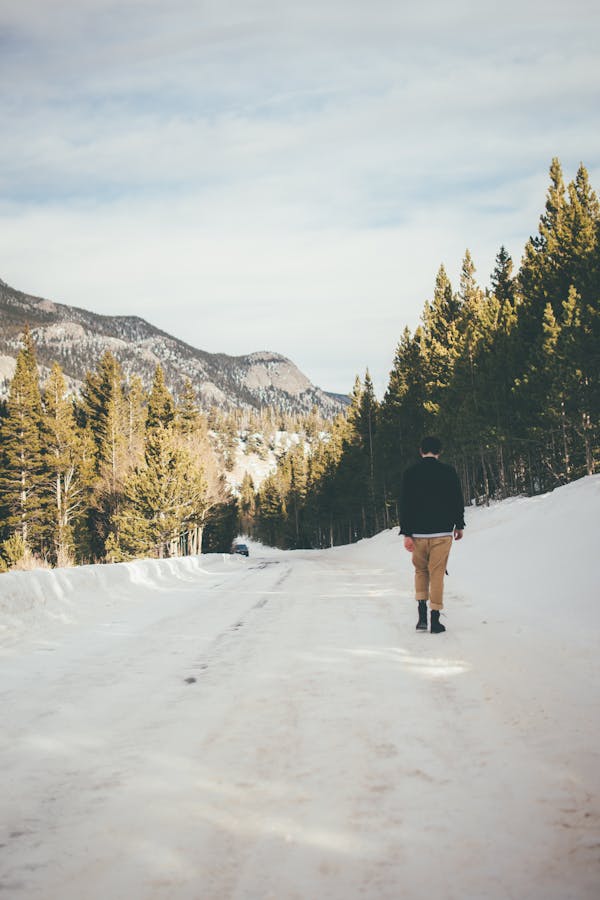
column 566, row 456
column 501, row 472
column 486, row 483
column 589, row 457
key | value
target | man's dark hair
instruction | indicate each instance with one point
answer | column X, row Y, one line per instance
column 431, row 445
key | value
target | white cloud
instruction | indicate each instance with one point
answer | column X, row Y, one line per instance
column 282, row 175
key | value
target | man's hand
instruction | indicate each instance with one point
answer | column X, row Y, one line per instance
column 409, row 544
column 458, row 533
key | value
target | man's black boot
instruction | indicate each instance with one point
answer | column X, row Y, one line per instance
column 436, row 625
column 422, row 623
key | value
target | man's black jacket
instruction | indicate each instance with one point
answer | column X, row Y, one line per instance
column 431, row 501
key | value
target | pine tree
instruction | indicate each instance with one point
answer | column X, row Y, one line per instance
column 23, row 463
column 104, row 414
column 324, row 506
column 295, row 497
column 582, row 225
column 470, row 329
column 270, row 513
column 188, row 413
column 163, row 498
column 161, row 407
column 563, row 390
column 367, row 429
column 3, row 509
column 440, row 341
column 543, row 277
column 221, row 528
column 351, row 478
column 403, row 411
column 68, row 466
column 104, row 410
column 192, row 435
column 136, row 410
column 502, row 280
column 247, row 504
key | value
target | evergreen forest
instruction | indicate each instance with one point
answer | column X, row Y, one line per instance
column 507, row 375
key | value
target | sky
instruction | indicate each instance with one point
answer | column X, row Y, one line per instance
column 269, row 175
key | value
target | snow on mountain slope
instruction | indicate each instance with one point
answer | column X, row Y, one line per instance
column 274, row 727
column 77, row 338
column 260, row 466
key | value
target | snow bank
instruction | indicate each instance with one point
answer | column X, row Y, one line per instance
column 30, row 601
column 533, row 557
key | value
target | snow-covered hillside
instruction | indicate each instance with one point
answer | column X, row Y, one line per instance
column 274, row 727
column 260, row 465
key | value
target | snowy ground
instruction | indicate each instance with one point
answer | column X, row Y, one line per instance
column 216, row 728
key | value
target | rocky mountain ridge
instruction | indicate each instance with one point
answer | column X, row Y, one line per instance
column 77, row 338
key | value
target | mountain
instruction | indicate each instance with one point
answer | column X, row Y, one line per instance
column 76, row 339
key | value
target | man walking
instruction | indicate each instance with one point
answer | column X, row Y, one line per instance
column 431, row 515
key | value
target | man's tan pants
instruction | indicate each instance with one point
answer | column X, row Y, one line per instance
column 429, row 558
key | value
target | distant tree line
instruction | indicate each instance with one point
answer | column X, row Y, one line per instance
column 508, row 376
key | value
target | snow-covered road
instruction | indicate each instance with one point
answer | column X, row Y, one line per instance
column 275, row 728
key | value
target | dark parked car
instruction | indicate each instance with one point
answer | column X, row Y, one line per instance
column 242, row 549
